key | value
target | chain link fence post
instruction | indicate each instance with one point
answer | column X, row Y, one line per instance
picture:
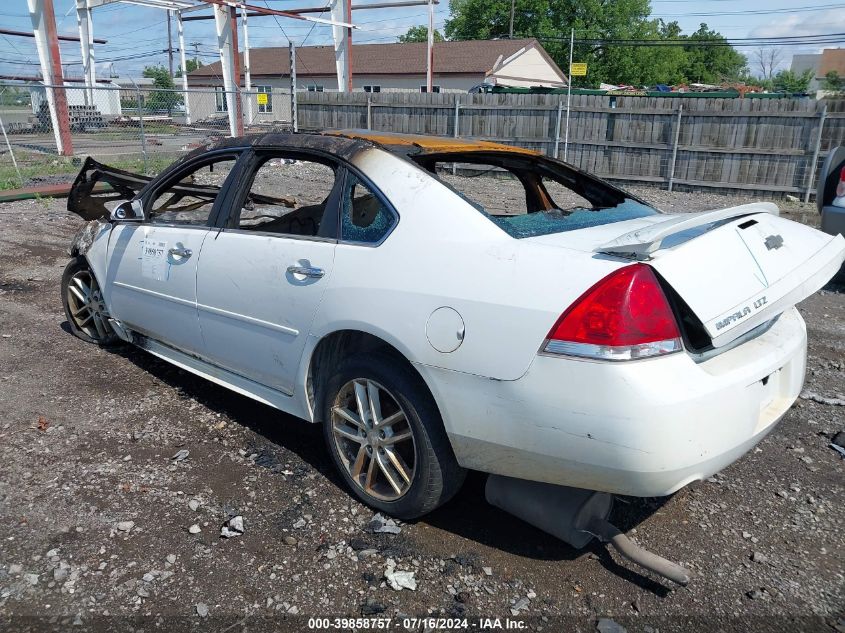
column 811, row 177
column 141, row 125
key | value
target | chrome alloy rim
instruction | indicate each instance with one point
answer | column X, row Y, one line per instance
column 87, row 309
column 374, row 439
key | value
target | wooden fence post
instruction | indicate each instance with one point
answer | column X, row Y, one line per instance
column 811, row 177
column 557, row 126
column 457, row 114
column 369, row 113
column 675, row 147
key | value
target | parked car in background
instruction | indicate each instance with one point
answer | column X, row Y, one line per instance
column 572, row 334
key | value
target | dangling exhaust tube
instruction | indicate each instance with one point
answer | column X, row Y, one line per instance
column 575, row 516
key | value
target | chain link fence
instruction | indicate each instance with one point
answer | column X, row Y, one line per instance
column 138, row 128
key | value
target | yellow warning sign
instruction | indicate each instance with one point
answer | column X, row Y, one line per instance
column 578, row 69
column 262, row 98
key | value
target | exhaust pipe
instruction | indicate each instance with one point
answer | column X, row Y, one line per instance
column 575, row 516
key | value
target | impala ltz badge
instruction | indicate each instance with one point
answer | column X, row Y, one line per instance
column 774, row 242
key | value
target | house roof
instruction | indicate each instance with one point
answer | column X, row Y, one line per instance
column 461, row 57
column 832, row 59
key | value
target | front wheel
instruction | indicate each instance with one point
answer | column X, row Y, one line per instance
column 84, row 306
column 386, row 437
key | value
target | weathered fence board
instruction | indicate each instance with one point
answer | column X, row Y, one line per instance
column 764, row 146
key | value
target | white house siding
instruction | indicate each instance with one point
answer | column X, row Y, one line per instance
column 531, row 64
column 203, row 104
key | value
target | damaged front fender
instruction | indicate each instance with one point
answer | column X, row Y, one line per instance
column 85, row 237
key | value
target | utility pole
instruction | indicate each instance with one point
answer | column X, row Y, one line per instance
column 568, row 95
column 196, row 46
column 513, row 2
column 429, row 75
column 170, row 48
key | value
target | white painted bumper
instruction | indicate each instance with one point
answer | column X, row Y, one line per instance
column 642, row 428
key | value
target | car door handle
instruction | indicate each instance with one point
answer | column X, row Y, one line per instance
column 179, row 251
column 306, row 271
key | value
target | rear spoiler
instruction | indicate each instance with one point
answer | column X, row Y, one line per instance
column 640, row 244
column 98, row 184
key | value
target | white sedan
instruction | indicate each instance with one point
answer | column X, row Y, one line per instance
column 434, row 322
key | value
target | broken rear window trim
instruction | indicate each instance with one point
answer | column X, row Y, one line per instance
column 424, row 160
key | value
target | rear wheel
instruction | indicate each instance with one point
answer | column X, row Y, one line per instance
column 84, row 306
column 386, row 437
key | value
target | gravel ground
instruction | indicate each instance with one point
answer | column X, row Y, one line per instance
column 103, row 528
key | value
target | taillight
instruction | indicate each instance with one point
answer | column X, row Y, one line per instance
column 840, row 188
column 625, row 316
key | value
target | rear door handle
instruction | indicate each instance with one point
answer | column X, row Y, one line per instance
column 306, row 271
column 178, row 251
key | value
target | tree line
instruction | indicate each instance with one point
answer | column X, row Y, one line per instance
column 704, row 56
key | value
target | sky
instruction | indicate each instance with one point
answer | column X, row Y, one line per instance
column 133, row 31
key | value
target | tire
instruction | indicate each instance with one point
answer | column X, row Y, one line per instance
column 372, row 463
column 82, row 300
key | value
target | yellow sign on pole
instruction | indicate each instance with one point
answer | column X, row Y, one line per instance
column 262, row 98
column 578, row 69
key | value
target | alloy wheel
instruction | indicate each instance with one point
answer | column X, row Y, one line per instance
column 86, row 306
column 374, row 439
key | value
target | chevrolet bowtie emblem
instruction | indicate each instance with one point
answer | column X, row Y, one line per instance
column 774, row 242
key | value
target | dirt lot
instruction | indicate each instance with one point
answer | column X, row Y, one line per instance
column 100, row 527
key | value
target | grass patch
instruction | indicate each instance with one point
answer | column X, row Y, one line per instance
column 34, row 165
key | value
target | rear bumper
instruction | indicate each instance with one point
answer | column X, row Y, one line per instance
column 643, row 428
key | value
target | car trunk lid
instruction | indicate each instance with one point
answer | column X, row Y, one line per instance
column 735, row 268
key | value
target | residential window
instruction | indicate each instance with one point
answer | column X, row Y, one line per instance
column 433, row 89
column 315, row 88
column 369, row 88
column 220, row 99
column 266, row 106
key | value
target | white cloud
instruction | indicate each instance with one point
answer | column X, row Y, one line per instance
column 801, row 24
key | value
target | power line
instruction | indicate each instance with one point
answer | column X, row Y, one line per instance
column 819, row 7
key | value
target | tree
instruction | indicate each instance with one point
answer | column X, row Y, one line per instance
column 715, row 61
column 419, row 34
column 767, row 59
column 191, row 64
column 791, row 82
column 550, row 20
column 833, row 82
column 165, row 97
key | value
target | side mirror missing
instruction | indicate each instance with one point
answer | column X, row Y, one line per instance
column 129, row 211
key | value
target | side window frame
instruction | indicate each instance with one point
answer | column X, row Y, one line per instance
column 230, row 217
column 152, row 193
column 349, row 169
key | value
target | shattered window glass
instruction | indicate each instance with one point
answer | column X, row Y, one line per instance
column 363, row 216
column 534, row 196
column 559, row 221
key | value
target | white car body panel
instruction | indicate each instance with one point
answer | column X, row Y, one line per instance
column 644, row 427
column 254, row 315
column 161, row 300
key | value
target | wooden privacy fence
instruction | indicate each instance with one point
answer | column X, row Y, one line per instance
column 761, row 146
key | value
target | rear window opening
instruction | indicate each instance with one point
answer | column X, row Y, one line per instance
column 529, row 196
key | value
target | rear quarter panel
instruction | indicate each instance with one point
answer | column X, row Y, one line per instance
column 444, row 252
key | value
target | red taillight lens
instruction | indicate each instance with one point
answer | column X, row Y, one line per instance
column 840, row 188
column 623, row 317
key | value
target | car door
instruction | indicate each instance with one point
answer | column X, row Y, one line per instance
column 152, row 267
column 262, row 277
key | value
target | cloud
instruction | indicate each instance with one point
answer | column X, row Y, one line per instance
column 800, row 24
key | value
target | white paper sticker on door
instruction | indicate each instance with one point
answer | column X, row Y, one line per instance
column 154, row 263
